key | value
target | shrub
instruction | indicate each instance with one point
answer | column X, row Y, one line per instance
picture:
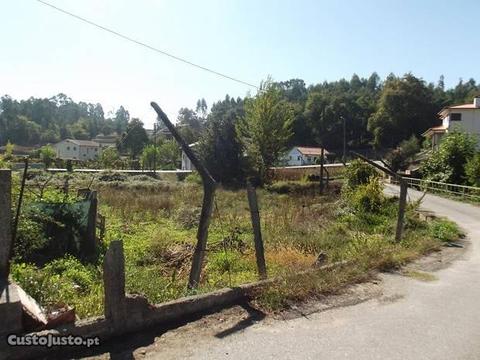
column 289, row 187
column 472, row 169
column 447, row 164
column 47, row 155
column 444, row 230
column 194, row 178
column 358, row 173
column 112, row 176
column 366, row 197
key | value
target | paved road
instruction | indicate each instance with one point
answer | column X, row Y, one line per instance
column 425, row 320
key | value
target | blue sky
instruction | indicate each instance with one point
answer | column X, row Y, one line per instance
column 44, row 52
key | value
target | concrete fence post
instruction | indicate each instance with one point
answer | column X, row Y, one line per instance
column 5, row 222
column 114, row 284
column 401, row 209
column 257, row 232
column 91, row 239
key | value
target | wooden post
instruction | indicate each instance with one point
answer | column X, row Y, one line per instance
column 114, row 284
column 5, row 222
column 322, row 160
column 90, row 239
column 401, row 208
column 257, row 232
column 209, row 186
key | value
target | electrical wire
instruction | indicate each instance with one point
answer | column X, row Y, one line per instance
column 150, row 47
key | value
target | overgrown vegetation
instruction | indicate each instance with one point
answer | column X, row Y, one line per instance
column 157, row 222
column 448, row 163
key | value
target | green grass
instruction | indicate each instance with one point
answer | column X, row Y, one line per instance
column 157, row 222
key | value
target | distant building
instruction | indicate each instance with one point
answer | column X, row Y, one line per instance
column 106, row 140
column 84, row 150
column 303, row 155
column 186, row 163
column 465, row 118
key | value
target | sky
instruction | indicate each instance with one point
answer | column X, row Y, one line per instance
column 44, row 52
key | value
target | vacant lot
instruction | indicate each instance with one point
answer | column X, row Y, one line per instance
column 157, row 221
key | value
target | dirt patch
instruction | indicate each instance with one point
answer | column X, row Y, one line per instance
column 441, row 259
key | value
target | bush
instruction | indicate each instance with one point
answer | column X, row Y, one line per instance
column 292, row 187
column 366, row 197
column 358, row 173
column 472, row 170
column 194, row 178
column 444, row 230
column 447, row 164
column 112, row 176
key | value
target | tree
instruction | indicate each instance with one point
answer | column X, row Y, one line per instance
column 135, row 138
column 405, row 108
column 47, row 155
column 402, row 155
column 190, row 125
column 447, row 164
column 202, row 108
column 265, row 129
column 150, row 157
column 109, row 157
column 219, row 147
column 169, row 155
column 122, row 117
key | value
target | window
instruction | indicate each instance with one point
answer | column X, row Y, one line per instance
column 74, row 148
column 68, row 147
column 456, row 117
column 96, row 149
column 299, row 158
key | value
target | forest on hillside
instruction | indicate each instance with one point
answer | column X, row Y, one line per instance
column 376, row 112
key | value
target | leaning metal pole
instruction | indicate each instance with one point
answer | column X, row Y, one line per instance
column 209, row 186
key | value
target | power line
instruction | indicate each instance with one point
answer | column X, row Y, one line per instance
column 125, row 37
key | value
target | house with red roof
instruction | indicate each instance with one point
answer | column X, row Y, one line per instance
column 465, row 118
column 304, row 155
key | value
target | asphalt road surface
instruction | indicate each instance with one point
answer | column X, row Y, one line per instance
column 424, row 320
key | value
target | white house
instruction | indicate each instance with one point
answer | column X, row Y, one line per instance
column 302, row 155
column 70, row 149
column 465, row 118
column 186, row 163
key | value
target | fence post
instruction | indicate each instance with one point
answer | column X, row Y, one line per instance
column 5, row 222
column 209, row 187
column 322, row 160
column 257, row 232
column 401, row 208
column 114, row 283
column 91, row 240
